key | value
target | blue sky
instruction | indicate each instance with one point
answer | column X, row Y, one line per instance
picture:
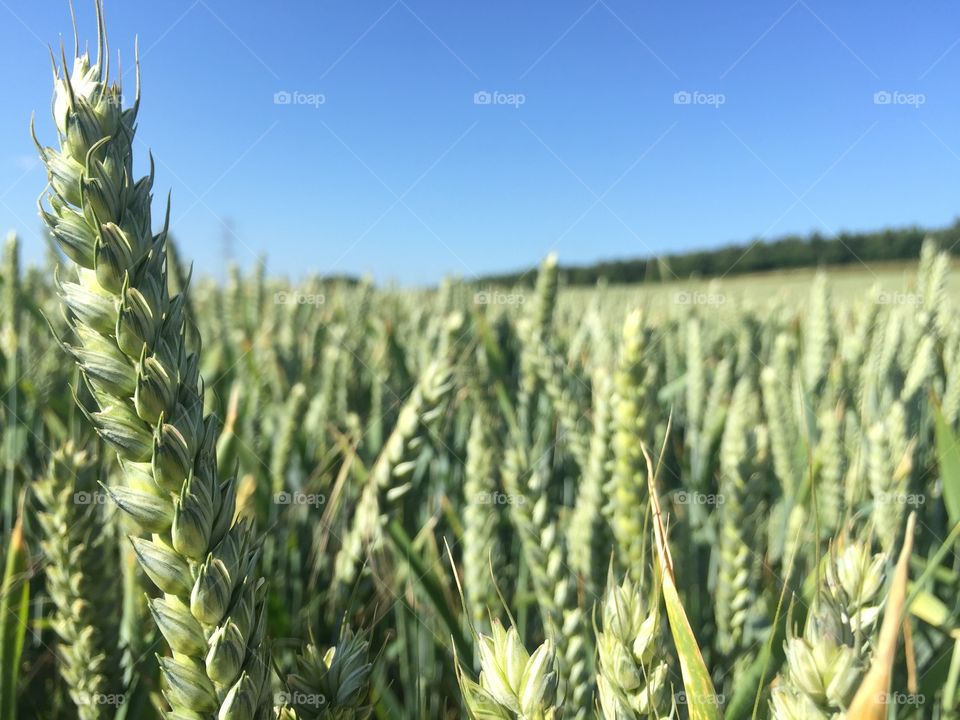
column 387, row 161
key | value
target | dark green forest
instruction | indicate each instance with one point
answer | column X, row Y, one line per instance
column 789, row 252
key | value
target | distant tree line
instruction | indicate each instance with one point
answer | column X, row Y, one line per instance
column 792, row 251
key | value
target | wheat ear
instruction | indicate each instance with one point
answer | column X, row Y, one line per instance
column 132, row 348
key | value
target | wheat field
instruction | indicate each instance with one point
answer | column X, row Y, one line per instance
column 729, row 498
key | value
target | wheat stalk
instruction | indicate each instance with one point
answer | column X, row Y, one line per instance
column 480, row 519
column 133, row 351
column 634, row 382
column 389, row 477
column 79, row 565
column 743, row 460
column 588, row 530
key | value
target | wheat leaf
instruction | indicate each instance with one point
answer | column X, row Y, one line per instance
column 702, row 700
column 871, row 700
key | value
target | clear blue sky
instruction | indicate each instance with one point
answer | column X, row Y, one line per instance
column 400, row 173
